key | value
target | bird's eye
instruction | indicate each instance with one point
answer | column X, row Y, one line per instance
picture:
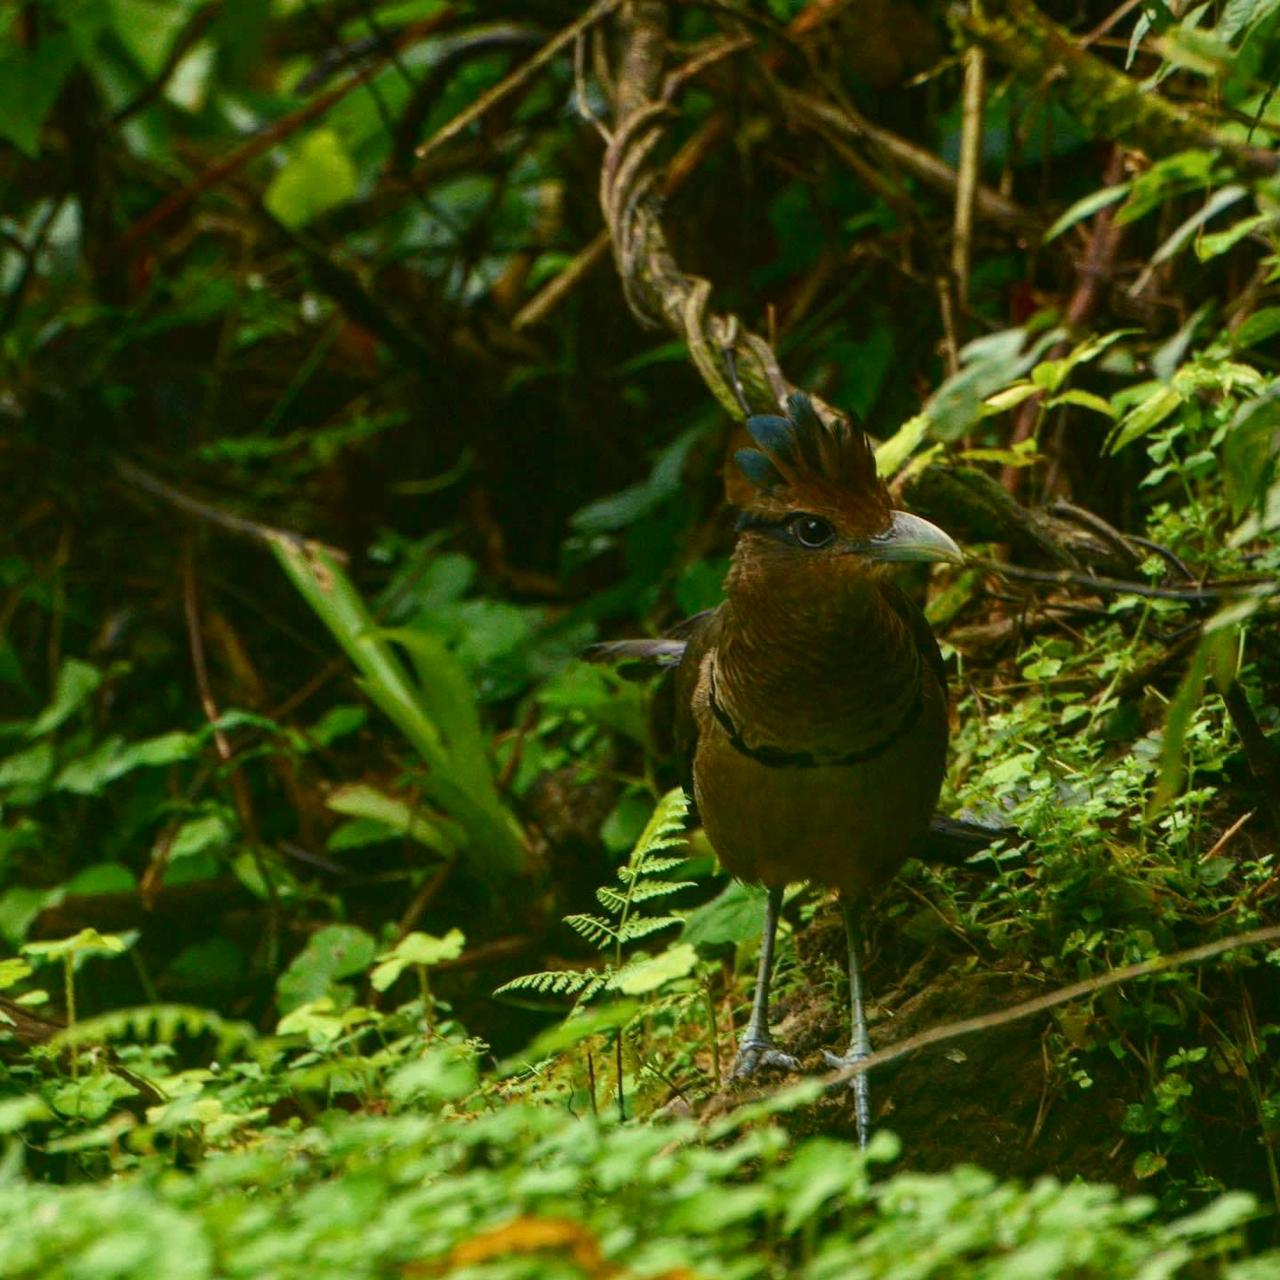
column 812, row 531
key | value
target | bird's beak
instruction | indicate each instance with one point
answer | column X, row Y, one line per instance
column 909, row 537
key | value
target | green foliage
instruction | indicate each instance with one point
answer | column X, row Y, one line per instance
column 434, row 709
column 628, row 918
column 435, row 1170
column 222, row 261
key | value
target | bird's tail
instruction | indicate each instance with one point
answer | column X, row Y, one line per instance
column 954, row 841
column 653, row 654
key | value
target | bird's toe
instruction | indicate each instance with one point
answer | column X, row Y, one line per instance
column 754, row 1054
column 850, row 1058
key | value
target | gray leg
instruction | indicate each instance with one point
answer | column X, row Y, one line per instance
column 756, row 1048
column 860, row 1043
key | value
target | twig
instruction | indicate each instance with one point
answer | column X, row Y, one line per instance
column 975, row 88
column 216, row 173
column 844, row 122
column 683, row 163
column 1118, row 586
column 1065, row 995
column 30, row 252
column 560, row 286
column 235, row 776
column 1263, row 758
column 517, row 77
column 190, row 34
column 134, row 475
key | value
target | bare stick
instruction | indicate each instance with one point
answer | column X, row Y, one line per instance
column 1064, row 995
column 975, row 77
column 513, row 81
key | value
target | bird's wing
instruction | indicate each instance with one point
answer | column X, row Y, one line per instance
column 919, row 628
column 674, row 728
column 641, row 657
column 678, row 654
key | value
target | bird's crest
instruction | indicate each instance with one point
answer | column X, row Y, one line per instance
column 802, row 463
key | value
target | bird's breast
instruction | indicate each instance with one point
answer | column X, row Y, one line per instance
column 845, row 824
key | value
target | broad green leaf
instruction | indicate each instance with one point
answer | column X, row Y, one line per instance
column 892, row 455
column 1086, row 207
column 1219, row 242
column 148, row 28
column 735, row 916
column 446, row 1073
column 583, row 1023
column 86, row 942
column 76, row 683
column 1177, row 722
column 415, row 949
column 1221, row 199
column 1085, row 399
column 332, row 953
column 12, row 971
column 32, row 81
column 449, row 700
column 1144, row 417
column 399, row 817
column 643, row 976
column 204, row 834
column 1257, row 328
column 494, row 843
column 318, row 177
column 30, row 768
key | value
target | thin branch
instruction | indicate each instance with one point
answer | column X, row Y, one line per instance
column 235, row 776
column 1207, row 593
column 199, row 23
column 1041, row 1004
column 975, row 92
column 30, row 253
column 513, row 81
column 844, row 122
column 138, row 478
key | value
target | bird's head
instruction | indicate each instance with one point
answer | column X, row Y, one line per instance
column 816, row 500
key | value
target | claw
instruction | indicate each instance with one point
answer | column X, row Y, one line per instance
column 754, row 1054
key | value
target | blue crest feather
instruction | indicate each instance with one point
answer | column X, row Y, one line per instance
column 773, row 434
column 758, row 469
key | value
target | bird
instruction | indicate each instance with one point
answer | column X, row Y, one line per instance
column 809, row 710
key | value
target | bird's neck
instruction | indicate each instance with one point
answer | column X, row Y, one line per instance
column 818, row 663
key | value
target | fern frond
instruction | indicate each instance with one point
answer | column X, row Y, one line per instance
column 643, row 926
column 156, row 1023
column 664, row 828
column 610, row 899
column 554, row 982
column 596, row 931
column 657, row 889
column 656, row 866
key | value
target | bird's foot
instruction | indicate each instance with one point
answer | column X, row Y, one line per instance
column 759, row 1051
column 851, row 1058
column 859, row 1084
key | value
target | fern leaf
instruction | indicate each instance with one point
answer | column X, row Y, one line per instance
column 664, row 829
column 596, row 931
column 553, row 982
column 658, row 889
column 156, row 1023
column 656, row 866
column 643, row 926
column 611, row 899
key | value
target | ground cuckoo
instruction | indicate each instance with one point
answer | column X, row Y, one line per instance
column 810, row 708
